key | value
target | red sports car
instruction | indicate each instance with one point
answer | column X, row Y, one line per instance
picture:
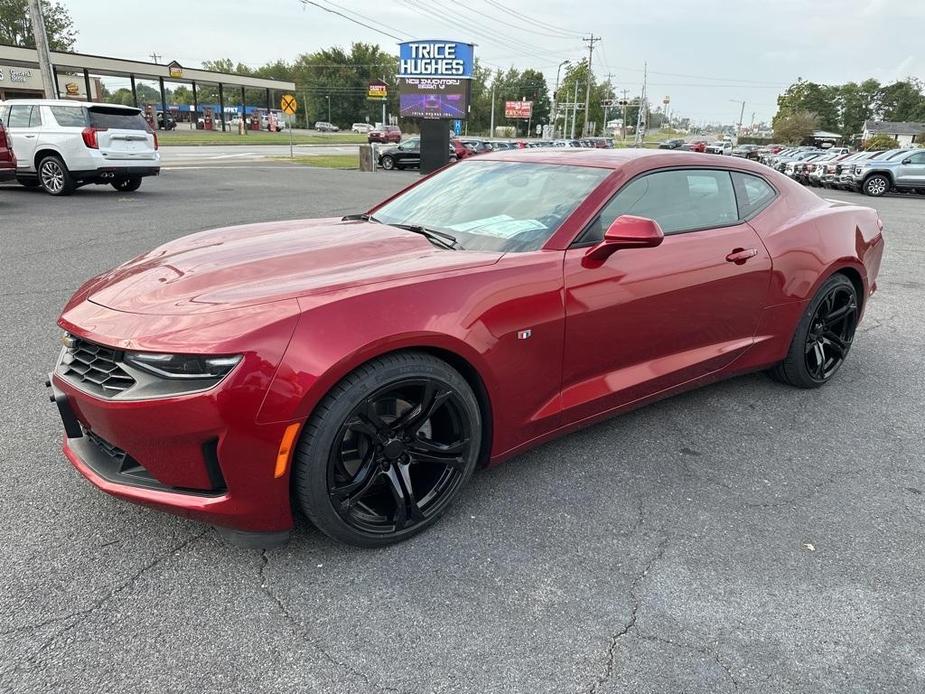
column 360, row 369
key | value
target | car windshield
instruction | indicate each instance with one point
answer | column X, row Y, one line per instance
column 495, row 205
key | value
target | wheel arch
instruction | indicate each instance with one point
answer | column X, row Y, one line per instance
column 43, row 152
column 454, row 355
column 886, row 173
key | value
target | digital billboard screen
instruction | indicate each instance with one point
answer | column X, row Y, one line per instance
column 434, row 98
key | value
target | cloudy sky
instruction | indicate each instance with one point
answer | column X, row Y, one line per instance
column 704, row 54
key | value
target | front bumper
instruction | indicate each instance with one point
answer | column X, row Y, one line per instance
column 198, row 456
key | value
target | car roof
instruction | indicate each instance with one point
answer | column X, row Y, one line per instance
column 618, row 158
column 63, row 102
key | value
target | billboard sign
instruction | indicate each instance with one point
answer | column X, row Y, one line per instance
column 434, row 98
column 436, row 58
column 377, row 91
column 518, row 109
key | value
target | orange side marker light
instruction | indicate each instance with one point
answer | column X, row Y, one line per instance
column 285, row 449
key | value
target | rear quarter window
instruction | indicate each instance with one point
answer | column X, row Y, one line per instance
column 69, row 116
column 753, row 193
column 116, row 119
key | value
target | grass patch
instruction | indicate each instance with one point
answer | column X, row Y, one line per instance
column 204, row 137
column 325, row 161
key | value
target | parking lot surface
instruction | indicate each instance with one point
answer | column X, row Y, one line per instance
column 743, row 537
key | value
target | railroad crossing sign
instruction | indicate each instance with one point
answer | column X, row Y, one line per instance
column 288, row 104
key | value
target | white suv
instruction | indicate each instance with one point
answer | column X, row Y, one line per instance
column 61, row 145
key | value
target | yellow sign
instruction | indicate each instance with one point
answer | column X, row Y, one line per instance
column 72, row 89
column 377, row 91
column 175, row 69
column 288, row 104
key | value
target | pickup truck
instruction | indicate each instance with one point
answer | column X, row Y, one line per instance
column 902, row 170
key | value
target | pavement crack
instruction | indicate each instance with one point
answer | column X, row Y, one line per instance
column 80, row 616
column 306, row 638
column 631, row 622
column 696, row 649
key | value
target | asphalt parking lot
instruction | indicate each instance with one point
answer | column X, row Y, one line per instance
column 744, row 537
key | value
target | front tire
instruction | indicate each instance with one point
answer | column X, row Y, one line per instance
column 127, row 185
column 54, row 177
column 876, row 185
column 388, row 450
column 823, row 336
column 387, row 163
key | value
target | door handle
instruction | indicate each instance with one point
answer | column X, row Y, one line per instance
column 740, row 255
column 29, row 137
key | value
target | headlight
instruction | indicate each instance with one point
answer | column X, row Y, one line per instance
column 181, row 366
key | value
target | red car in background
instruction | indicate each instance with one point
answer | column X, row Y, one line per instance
column 460, row 149
column 361, row 368
column 7, row 158
column 695, row 146
column 385, row 133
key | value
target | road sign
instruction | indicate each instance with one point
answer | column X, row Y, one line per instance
column 457, row 126
column 288, row 104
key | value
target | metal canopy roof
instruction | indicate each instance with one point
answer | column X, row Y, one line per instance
column 115, row 66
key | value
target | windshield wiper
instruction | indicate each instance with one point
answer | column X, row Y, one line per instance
column 440, row 238
column 361, row 217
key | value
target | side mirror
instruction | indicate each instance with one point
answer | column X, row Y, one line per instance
column 907, row 160
column 627, row 231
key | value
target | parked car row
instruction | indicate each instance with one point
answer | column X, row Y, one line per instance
column 870, row 172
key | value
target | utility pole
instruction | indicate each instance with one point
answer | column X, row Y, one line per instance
column 590, row 41
column 575, row 109
column 492, row 133
column 155, row 57
column 625, row 104
column 640, row 114
column 741, row 116
column 41, row 47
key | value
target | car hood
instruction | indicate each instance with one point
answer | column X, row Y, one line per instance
column 260, row 263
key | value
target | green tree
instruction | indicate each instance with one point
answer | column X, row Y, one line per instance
column 902, row 101
column 819, row 99
column 16, row 25
column 793, row 128
column 857, row 103
column 880, row 141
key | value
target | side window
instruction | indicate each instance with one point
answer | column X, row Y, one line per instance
column 754, row 193
column 19, row 116
column 918, row 158
column 679, row 201
column 35, row 121
column 69, row 116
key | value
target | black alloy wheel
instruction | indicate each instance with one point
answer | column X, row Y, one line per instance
column 388, row 450
column 831, row 332
column 387, row 162
column 823, row 337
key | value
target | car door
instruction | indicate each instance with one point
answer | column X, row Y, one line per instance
column 911, row 171
column 648, row 319
column 24, row 123
column 410, row 152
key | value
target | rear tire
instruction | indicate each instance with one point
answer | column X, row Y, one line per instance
column 127, row 185
column 388, row 450
column 54, row 177
column 876, row 185
column 823, row 336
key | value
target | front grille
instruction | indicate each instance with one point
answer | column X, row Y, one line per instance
column 114, row 452
column 95, row 368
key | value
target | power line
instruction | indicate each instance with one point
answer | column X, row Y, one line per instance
column 530, row 20
column 351, row 19
column 369, row 19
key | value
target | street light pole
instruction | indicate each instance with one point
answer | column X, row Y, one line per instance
column 555, row 99
column 329, row 107
column 492, row 131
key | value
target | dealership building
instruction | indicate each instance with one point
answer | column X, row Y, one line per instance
column 85, row 77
